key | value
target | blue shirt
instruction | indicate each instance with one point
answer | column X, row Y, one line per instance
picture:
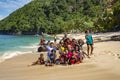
column 49, row 50
column 89, row 39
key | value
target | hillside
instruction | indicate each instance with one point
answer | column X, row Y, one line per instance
column 58, row 16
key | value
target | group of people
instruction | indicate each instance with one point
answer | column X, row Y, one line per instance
column 66, row 52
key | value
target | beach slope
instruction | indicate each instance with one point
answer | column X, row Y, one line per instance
column 103, row 65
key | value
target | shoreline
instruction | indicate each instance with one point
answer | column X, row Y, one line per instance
column 31, row 49
column 18, row 45
column 103, row 64
column 99, row 37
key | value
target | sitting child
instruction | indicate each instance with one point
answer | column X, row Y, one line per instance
column 62, row 58
column 75, row 58
column 40, row 61
column 81, row 43
column 69, row 54
column 52, row 58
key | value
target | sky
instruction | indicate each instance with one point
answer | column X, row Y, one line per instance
column 8, row 6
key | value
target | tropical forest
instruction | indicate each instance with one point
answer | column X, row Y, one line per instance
column 59, row 16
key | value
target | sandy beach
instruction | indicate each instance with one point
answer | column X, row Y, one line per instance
column 103, row 65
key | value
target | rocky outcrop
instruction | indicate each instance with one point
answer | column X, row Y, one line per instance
column 115, row 38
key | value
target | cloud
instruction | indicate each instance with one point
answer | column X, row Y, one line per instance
column 2, row 17
column 13, row 4
column 8, row 6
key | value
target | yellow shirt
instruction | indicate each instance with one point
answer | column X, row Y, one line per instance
column 62, row 48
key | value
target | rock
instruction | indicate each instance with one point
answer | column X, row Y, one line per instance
column 115, row 38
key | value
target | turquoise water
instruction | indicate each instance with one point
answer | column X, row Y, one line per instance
column 13, row 45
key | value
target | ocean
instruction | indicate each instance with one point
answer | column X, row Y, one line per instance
column 12, row 45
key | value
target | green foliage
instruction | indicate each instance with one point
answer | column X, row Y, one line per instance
column 58, row 16
column 116, row 13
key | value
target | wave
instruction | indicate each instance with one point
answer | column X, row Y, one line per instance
column 11, row 54
column 32, row 46
column 29, row 47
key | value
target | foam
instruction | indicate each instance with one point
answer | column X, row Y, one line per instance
column 28, row 47
column 11, row 54
column 35, row 45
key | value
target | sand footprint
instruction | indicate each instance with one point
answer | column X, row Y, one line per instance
column 113, row 54
column 118, row 55
column 109, row 52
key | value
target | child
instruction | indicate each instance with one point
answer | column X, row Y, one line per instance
column 42, row 41
column 55, row 38
column 75, row 58
column 89, row 42
column 52, row 58
column 81, row 42
column 40, row 61
column 69, row 54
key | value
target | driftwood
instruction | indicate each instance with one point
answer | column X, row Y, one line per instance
column 115, row 38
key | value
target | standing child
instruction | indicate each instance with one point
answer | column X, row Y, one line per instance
column 42, row 41
column 89, row 42
column 55, row 38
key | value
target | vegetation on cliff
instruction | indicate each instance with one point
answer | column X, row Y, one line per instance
column 58, row 16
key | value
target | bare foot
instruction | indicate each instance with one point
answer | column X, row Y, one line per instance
column 91, row 53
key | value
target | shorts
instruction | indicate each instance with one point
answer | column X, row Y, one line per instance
column 89, row 44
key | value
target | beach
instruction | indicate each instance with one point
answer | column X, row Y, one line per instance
column 103, row 64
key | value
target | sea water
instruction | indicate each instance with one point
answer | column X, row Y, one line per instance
column 12, row 45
